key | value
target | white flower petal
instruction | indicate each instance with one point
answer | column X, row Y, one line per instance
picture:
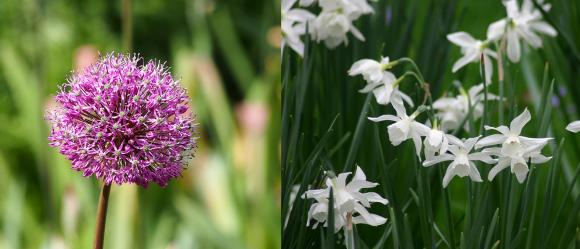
column 531, row 38
column 370, row 87
column 496, row 30
column 474, row 173
column 539, row 159
column 438, row 159
column 470, row 142
column 399, row 108
column 454, row 140
column 398, row 94
column 467, row 58
column 513, row 47
column 511, row 7
column 449, row 174
column 386, row 117
column 383, row 94
column 528, row 141
column 520, row 169
column 518, row 123
column 374, row 197
column 481, row 156
column 359, row 174
column 544, row 28
column 490, row 140
column 367, row 218
column 357, row 185
column 462, row 39
column 341, row 179
column 356, row 33
column 574, row 126
column 361, row 65
column 501, row 129
column 501, row 165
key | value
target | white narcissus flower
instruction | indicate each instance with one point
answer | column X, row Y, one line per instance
column 353, row 8
column 405, row 127
column 335, row 20
column 525, row 23
column 472, row 50
column 574, row 126
column 332, row 27
column 462, row 161
column 381, row 82
column 293, row 25
column 515, row 149
column 371, row 70
column 517, row 160
column 453, row 110
column 347, row 200
column 436, row 141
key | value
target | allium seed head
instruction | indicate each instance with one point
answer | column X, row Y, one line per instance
column 125, row 121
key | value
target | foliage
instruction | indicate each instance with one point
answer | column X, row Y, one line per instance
column 225, row 199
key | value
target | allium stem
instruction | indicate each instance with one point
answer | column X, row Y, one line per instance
column 102, row 216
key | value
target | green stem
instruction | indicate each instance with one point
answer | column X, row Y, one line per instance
column 349, row 232
column 102, row 216
column 422, row 83
column 483, row 118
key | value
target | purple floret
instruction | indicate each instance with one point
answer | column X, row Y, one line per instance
column 124, row 121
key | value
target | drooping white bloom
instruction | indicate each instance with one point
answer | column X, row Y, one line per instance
column 347, row 200
column 380, row 81
column 462, row 160
column 371, row 70
column 405, row 127
column 515, row 149
column 332, row 27
column 353, row 8
column 453, row 110
column 525, row 23
column 437, row 141
column 293, row 25
column 334, row 22
column 574, row 126
column 472, row 50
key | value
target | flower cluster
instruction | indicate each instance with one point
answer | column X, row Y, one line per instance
column 452, row 111
column 515, row 150
column 349, row 205
column 523, row 23
column 380, row 81
column 330, row 26
column 124, row 121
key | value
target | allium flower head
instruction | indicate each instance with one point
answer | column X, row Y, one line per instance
column 124, row 121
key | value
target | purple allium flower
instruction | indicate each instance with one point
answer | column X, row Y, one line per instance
column 124, row 121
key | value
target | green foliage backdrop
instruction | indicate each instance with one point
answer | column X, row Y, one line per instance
column 224, row 54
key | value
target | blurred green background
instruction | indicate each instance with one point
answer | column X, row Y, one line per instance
column 227, row 56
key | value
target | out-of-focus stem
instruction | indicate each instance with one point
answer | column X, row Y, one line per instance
column 127, row 26
column 483, row 73
column 348, row 232
column 102, row 216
